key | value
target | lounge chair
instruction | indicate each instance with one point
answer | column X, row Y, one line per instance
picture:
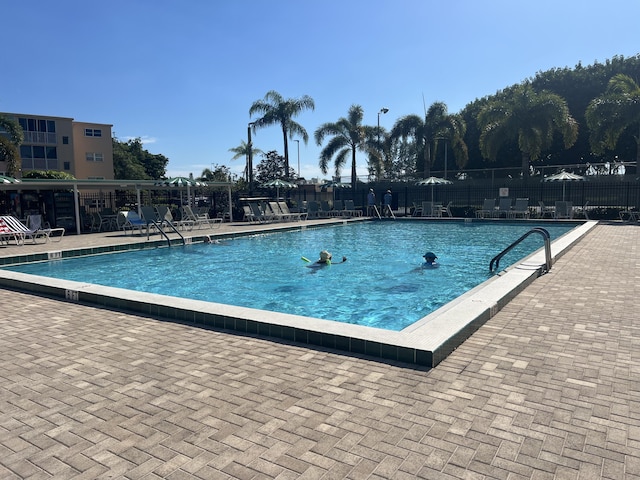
column 150, row 215
column 446, row 210
column 199, row 219
column 130, row 220
column 35, row 222
column 338, row 209
column 520, row 208
column 315, row 211
column 426, row 210
column 98, row 222
column 504, row 207
column 563, row 210
column 582, row 211
column 629, row 215
column 7, row 233
column 545, row 212
column 284, row 208
column 21, row 232
column 260, row 214
column 488, row 208
column 248, row 215
column 351, row 210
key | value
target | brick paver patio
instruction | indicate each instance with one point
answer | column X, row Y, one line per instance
column 548, row 388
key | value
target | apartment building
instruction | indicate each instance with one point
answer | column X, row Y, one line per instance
column 81, row 149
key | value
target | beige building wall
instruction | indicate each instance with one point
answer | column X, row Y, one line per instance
column 93, row 151
column 81, row 149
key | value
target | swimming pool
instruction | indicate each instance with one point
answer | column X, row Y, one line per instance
column 381, row 285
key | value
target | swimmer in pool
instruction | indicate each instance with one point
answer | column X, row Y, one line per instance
column 430, row 260
column 324, row 260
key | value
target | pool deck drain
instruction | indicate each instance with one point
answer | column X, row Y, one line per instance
column 426, row 342
column 545, row 389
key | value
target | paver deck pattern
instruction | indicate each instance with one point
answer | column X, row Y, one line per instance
column 548, row 388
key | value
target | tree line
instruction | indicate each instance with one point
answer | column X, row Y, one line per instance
column 581, row 115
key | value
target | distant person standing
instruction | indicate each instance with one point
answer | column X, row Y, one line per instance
column 371, row 202
column 386, row 204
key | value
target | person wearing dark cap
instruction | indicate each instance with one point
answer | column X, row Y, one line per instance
column 386, row 204
column 430, row 260
column 371, row 202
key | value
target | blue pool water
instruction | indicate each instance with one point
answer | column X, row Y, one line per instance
column 381, row 285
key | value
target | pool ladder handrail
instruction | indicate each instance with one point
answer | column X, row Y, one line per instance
column 164, row 234
column 547, row 249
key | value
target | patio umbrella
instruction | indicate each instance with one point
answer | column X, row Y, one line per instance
column 5, row 179
column 183, row 182
column 433, row 181
column 564, row 177
column 278, row 184
column 335, row 185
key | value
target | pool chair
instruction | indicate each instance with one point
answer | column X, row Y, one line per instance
column 545, row 211
column 130, row 220
column 563, row 210
column 21, row 231
column 7, row 234
column 488, row 209
column 338, row 209
column 297, row 216
column 35, row 222
column 260, row 215
column 248, row 215
column 351, row 210
column 520, row 208
column 504, row 207
column 199, row 219
column 314, row 210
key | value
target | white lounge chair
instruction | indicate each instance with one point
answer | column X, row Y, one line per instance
column 35, row 222
column 199, row 219
column 20, row 230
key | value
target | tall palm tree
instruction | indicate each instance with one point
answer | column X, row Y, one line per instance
column 529, row 117
column 10, row 141
column 348, row 135
column 242, row 150
column 275, row 109
column 438, row 125
column 609, row 115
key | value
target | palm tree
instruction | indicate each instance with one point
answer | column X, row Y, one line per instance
column 348, row 136
column 242, row 150
column 275, row 109
column 529, row 117
column 609, row 115
column 438, row 125
column 10, row 141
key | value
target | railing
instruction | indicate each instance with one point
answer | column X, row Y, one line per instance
column 547, row 249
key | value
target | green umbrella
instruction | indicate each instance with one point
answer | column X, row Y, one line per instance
column 434, row 181
column 5, row 179
column 335, row 185
column 278, row 184
column 182, row 182
column 564, row 177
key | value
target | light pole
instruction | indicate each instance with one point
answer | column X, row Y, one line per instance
column 250, row 157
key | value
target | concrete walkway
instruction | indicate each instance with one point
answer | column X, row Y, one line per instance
column 548, row 388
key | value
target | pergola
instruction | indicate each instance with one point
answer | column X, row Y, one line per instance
column 43, row 184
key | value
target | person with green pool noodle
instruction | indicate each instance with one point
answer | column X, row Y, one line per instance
column 324, row 260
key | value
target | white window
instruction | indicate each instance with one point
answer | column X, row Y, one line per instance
column 92, row 132
column 94, row 157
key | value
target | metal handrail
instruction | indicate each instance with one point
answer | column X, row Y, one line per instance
column 547, row 248
column 161, row 230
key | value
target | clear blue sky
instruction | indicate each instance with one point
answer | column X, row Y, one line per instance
column 182, row 74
